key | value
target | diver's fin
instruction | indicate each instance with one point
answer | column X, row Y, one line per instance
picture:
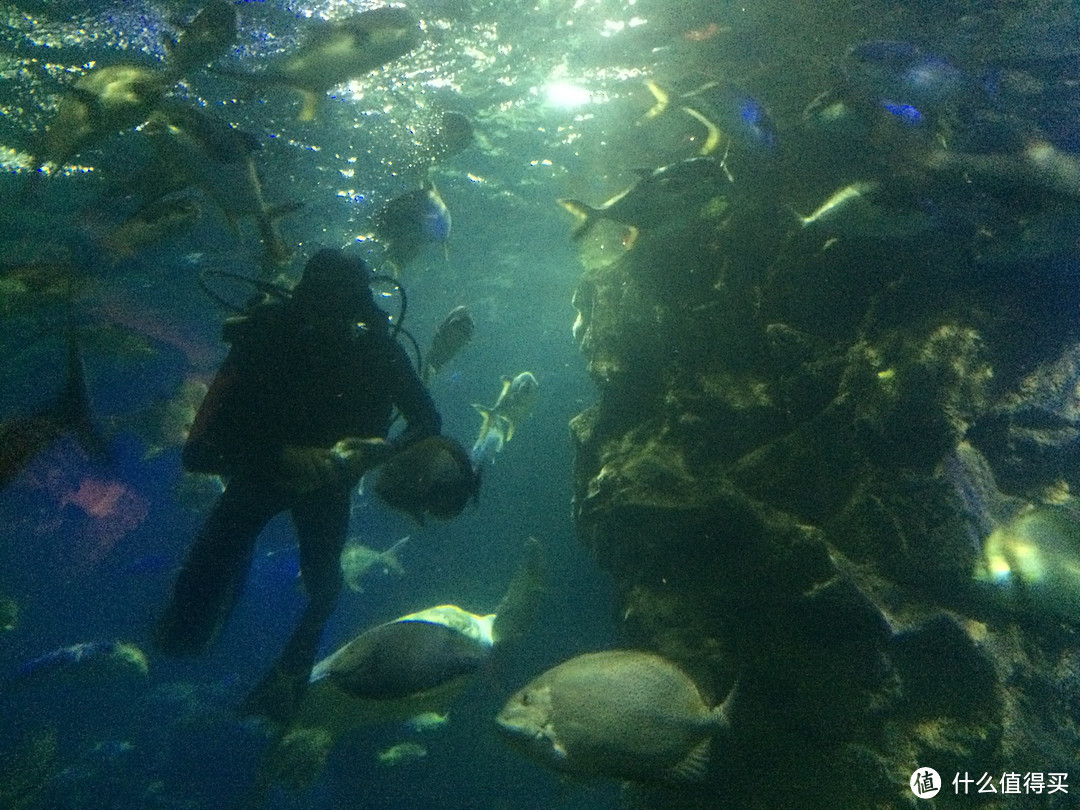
column 520, row 605
column 586, row 214
column 712, row 140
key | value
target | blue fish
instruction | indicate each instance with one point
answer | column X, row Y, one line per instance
column 728, row 113
column 409, row 223
column 901, row 79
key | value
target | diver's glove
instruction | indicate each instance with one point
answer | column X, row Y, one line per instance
column 355, row 456
column 304, row 469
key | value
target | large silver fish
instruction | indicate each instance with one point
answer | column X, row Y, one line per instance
column 622, row 714
column 102, row 102
column 338, row 51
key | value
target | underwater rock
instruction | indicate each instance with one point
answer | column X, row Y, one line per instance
column 794, row 474
column 1032, row 434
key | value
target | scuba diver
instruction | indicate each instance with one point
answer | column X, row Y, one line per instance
column 296, row 414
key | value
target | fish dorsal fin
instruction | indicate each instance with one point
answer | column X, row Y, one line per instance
column 692, row 767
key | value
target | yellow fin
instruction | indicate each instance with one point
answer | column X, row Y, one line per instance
column 662, row 99
column 712, row 140
column 488, row 417
column 509, row 434
column 586, row 216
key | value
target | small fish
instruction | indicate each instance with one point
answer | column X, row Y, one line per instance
column 412, row 221
column 209, row 35
column 661, row 196
column 452, row 335
column 159, row 219
column 197, row 150
column 9, row 613
column 104, row 101
column 338, row 51
column 432, row 477
column 402, row 752
column 112, row 750
column 357, row 559
column 837, row 202
column 89, row 658
column 40, row 282
column 622, row 714
column 1037, row 164
column 427, row 721
column 214, row 137
column 514, row 404
column 22, row 438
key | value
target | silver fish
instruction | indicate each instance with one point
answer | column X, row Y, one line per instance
column 621, row 714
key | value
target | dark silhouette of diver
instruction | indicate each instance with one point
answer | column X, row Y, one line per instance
column 296, row 414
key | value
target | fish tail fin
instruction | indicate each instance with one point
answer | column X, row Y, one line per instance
column 489, row 420
column 714, row 136
column 508, row 433
column 661, row 100
column 392, row 563
column 520, row 605
column 489, row 440
column 586, row 214
column 73, row 407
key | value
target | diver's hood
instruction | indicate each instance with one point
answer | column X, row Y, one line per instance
column 336, row 286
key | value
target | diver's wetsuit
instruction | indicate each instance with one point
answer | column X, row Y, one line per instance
column 288, row 381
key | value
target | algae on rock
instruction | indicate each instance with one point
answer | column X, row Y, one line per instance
column 791, row 481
